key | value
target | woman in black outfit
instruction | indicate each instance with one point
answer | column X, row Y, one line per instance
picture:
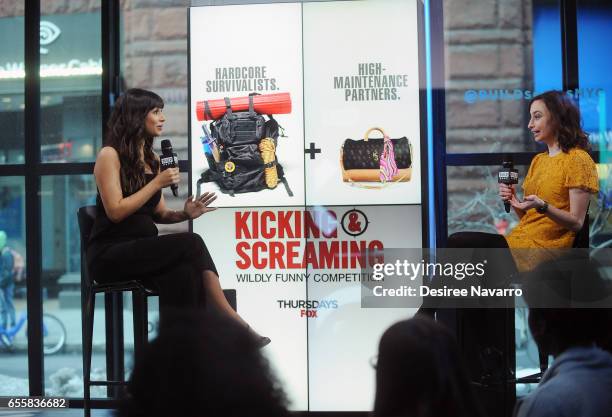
column 124, row 241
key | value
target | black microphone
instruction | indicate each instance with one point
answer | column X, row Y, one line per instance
column 508, row 175
column 168, row 160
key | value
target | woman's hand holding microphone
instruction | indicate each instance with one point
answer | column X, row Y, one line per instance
column 507, row 192
column 168, row 177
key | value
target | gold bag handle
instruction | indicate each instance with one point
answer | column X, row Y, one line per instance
column 372, row 129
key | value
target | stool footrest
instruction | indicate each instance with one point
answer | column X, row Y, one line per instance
column 530, row 379
column 104, row 383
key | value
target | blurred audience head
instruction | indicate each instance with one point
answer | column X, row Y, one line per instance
column 569, row 305
column 419, row 373
column 202, row 365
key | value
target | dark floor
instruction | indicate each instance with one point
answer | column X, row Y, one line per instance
column 53, row 413
column 75, row 412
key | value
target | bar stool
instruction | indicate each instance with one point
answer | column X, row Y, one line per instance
column 89, row 288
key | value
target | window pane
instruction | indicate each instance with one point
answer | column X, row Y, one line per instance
column 601, row 206
column 61, row 196
column 594, row 59
column 11, row 82
column 473, row 203
column 13, row 338
column 595, row 98
column 474, row 206
column 527, row 355
column 71, row 68
column 547, row 61
column 497, row 54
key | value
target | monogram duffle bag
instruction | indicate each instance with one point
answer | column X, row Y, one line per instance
column 376, row 159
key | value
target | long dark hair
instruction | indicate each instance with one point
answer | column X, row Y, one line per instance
column 126, row 127
column 565, row 118
column 420, row 373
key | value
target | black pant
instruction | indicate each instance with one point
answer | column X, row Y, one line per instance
column 172, row 264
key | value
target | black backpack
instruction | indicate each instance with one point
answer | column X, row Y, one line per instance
column 241, row 167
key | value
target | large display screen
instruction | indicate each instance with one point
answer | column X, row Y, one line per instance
column 314, row 173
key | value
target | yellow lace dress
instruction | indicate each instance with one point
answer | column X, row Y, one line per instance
column 550, row 178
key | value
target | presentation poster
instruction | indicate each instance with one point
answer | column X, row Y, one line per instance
column 343, row 341
column 361, row 71
column 234, row 54
column 295, row 269
column 294, row 248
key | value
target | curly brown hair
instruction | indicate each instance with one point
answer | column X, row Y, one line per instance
column 565, row 118
column 126, row 128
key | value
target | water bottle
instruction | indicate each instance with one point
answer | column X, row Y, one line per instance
column 212, row 145
column 208, row 152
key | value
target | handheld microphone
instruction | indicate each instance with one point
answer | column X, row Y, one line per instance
column 167, row 160
column 507, row 175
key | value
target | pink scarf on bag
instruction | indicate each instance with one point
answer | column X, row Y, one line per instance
column 388, row 167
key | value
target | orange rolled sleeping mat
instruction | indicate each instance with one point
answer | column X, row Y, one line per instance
column 278, row 103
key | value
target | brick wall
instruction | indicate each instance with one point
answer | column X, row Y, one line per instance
column 155, row 58
column 9, row 8
column 488, row 45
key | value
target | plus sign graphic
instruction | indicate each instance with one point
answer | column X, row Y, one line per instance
column 312, row 150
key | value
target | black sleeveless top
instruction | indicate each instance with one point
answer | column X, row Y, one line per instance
column 137, row 225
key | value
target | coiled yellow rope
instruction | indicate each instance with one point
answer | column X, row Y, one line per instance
column 268, row 154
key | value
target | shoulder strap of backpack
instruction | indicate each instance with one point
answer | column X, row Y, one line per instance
column 281, row 130
column 251, row 106
column 286, row 184
column 228, row 106
column 207, row 110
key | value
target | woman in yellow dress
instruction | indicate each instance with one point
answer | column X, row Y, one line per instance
column 556, row 189
column 558, row 184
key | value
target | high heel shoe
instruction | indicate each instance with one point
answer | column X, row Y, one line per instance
column 260, row 341
column 263, row 341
